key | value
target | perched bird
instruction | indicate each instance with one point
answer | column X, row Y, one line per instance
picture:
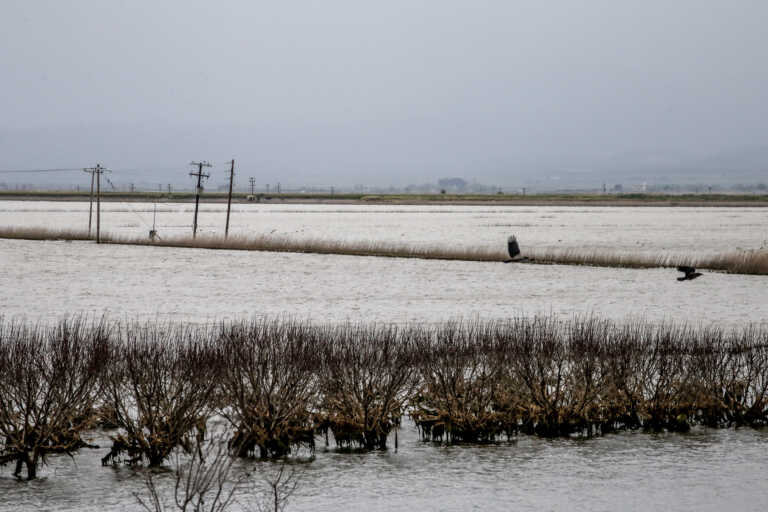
column 690, row 273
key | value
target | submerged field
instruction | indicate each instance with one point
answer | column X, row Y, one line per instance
column 705, row 468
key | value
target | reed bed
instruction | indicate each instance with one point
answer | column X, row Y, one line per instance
column 41, row 233
column 738, row 262
column 280, row 383
column 323, row 246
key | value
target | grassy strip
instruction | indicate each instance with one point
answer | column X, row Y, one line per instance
column 744, row 262
column 555, row 198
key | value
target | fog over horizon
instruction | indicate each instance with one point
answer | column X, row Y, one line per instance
column 388, row 93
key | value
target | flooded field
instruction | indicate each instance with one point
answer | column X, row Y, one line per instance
column 636, row 229
column 702, row 470
column 707, row 470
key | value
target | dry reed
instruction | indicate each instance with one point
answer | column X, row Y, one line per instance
column 737, row 262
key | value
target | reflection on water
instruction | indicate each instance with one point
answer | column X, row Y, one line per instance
column 704, row 470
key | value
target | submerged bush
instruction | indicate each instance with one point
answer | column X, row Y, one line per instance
column 48, row 386
column 460, row 393
column 365, row 381
column 159, row 390
column 268, row 386
column 279, row 383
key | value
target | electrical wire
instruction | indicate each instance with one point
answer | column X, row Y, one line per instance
column 38, row 170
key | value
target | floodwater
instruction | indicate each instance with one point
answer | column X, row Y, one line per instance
column 704, row 470
column 637, row 229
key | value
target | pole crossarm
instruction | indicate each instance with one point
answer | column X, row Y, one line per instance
column 96, row 172
column 200, row 175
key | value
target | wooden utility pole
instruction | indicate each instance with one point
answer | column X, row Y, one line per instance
column 96, row 172
column 229, row 198
column 90, row 205
column 200, row 175
column 98, row 203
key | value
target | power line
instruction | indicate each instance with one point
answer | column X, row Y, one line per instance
column 39, row 170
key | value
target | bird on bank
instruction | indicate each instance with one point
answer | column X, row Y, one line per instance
column 690, row 273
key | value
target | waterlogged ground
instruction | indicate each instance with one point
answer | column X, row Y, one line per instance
column 47, row 280
column 635, row 229
column 705, row 470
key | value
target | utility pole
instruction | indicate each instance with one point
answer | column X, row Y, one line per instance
column 252, row 180
column 229, row 199
column 200, row 175
column 96, row 172
column 169, row 189
column 90, row 204
column 278, row 188
column 133, row 189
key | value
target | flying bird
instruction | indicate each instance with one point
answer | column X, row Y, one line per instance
column 690, row 273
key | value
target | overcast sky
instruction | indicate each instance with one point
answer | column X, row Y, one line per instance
column 386, row 92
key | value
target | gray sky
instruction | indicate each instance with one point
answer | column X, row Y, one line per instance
column 395, row 92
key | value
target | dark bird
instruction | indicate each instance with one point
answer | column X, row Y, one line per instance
column 690, row 273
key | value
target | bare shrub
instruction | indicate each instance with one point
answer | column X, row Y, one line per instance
column 48, row 385
column 281, row 484
column 207, row 482
column 556, row 368
column 203, row 483
column 159, row 389
column 365, row 381
column 268, row 385
column 461, row 378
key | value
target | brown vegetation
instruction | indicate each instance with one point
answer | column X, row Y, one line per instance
column 741, row 262
column 366, row 379
column 48, row 385
column 159, row 388
column 281, row 382
column 268, row 385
